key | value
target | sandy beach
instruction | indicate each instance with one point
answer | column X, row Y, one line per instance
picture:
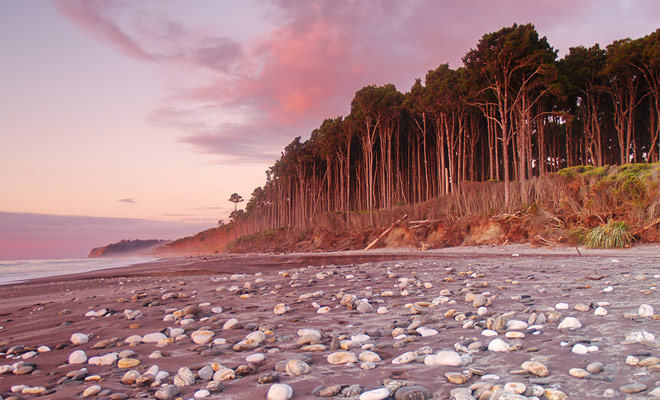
column 322, row 323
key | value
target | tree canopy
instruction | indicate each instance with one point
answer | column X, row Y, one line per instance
column 513, row 112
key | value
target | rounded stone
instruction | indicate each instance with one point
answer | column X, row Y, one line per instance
column 201, row 336
column 515, row 387
column 167, row 392
column 535, row 368
column 91, row 391
column 297, row 367
column 578, row 372
column 153, row 337
column 128, row 363
column 369, row 356
column 341, row 357
column 580, row 349
column 279, row 391
column 569, row 323
column 595, row 368
column 498, row 346
column 449, row 358
column 405, row 358
column 645, row 310
column 376, row 394
column 413, row 392
column 633, row 387
column 79, row 338
column 77, row 357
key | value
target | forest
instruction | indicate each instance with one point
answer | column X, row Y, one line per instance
column 513, row 112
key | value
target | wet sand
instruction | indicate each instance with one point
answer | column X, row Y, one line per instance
column 517, row 281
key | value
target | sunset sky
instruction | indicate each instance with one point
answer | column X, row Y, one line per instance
column 124, row 119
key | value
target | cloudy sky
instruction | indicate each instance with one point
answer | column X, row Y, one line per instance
column 139, row 119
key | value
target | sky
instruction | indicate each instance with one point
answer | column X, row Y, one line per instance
column 126, row 120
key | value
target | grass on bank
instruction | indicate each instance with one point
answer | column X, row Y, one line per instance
column 611, row 235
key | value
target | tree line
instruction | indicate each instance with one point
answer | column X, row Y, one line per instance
column 512, row 112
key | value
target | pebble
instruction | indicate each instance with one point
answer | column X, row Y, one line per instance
column 535, row 368
column 153, row 337
column 413, row 392
column 569, row 323
column 449, row 358
column 279, row 391
column 77, row 357
column 92, row 391
column 515, row 387
column 255, row 358
column 376, row 394
column 578, row 372
column 128, row 363
column 645, row 310
column 341, row 357
column 633, row 387
column 405, row 358
column 202, row 336
column 79, row 338
column 498, row 345
column 595, row 368
column 369, row 356
column 167, row 392
column 639, row 337
column 601, row 311
column 580, row 349
column 297, row 367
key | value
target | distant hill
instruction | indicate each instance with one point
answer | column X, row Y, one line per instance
column 127, row 247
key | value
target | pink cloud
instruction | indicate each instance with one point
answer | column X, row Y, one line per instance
column 317, row 54
column 89, row 16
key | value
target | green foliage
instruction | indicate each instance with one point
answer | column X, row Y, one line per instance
column 611, row 235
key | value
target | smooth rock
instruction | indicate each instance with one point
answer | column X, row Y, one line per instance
column 279, row 391
column 297, row 367
column 554, row 394
column 515, row 387
column 128, row 363
column 445, row 357
column 580, row 349
column 413, row 392
column 376, row 394
column 341, row 357
column 281, row 309
column 595, row 368
column 569, row 323
column 153, row 337
column 633, row 387
column 77, row 357
column 79, row 338
column 91, row 391
column 516, row 325
column 167, row 392
column 645, row 310
column 578, row 372
column 535, row 368
column 369, row 356
column 498, row 345
column 201, row 336
column 639, row 337
column 184, row 377
column 600, row 311
column 405, row 358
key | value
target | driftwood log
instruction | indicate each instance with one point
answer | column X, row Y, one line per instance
column 388, row 230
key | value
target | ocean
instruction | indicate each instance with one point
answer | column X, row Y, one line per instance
column 21, row 270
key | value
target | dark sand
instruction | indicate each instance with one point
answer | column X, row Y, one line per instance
column 516, row 279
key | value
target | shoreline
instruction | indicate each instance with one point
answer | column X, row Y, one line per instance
column 232, row 263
